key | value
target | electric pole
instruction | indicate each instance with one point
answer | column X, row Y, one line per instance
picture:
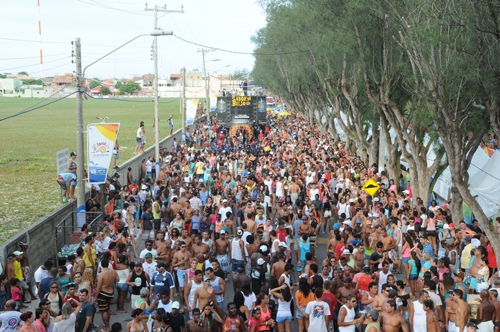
column 80, row 151
column 155, row 79
column 207, row 96
column 183, row 108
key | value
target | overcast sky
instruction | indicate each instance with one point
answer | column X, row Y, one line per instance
column 103, row 25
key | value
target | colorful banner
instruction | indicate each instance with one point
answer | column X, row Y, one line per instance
column 191, row 107
column 468, row 215
column 101, row 140
column 213, row 102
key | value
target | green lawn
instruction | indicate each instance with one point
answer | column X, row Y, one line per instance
column 30, row 141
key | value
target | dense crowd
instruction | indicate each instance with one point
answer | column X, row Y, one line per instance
column 235, row 230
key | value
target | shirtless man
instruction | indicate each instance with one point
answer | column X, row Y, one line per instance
column 345, row 290
column 251, row 247
column 223, row 251
column 251, row 226
column 486, row 313
column 187, row 240
column 305, row 227
column 391, row 320
column 293, row 190
column 248, row 209
column 387, row 240
column 200, row 251
column 164, row 252
column 279, row 267
column 181, row 262
column 104, row 290
column 332, row 244
column 176, row 207
column 196, row 324
column 160, row 240
column 431, row 317
column 239, row 278
column 458, row 313
column 379, row 300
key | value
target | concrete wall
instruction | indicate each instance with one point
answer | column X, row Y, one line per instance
column 42, row 234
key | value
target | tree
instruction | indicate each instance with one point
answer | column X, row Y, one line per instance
column 33, row 82
column 94, row 84
column 129, row 87
column 23, row 73
column 105, row 91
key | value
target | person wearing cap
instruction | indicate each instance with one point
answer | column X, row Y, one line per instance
column 224, row 209
column 258, row 276
column 18, row 273
column 237, row 253
column 72, row 166
column 149, row 266
column 471, row 327
column 161, row 280
column 177, row 322
column 204, row 295
column 370, row 319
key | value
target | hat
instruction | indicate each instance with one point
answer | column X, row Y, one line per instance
column 353, row 241
column 340, row 268
column 263, row 248
column 222, row 232
column 224, row 201
column 304, row 275
column 406, row 192
column 10, row 256
column 351, row 200
column 366, row 268
column 467, row 238
column 308, row 172
column 347, row 280
column 346, row 222
column 22, row 243
column 239, row 232
column 281, row 200
column 138, row 264
column 376, row 199
column 373, row 314
column 261, row 261
column 176, row 305
column 358, row 221
column 346, row 252
column 349, row 229
column 471, row 324
column 336, row 225
column 18, row 253
column 205, row 278
column 160, row 265
column 72, row 154
column 305, row 217
column 445, row 206
column 282, row 244
column 144, row 187
column 148, row 255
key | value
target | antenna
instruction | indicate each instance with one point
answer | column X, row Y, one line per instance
column 40, row 36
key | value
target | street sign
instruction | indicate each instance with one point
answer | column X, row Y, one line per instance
column 371, row 187
column 62, row 158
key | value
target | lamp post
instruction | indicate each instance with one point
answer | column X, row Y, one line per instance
column 80, row 78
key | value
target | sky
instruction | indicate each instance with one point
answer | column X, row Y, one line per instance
column 103, row 25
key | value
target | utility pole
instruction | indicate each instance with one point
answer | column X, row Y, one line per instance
column 207, row 97
column 183, row 107
column 155, row 79
column 80, row 151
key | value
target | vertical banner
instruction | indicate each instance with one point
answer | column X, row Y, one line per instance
column 191, row 107
column 101, row 140
column 213, row 102
column 62, row 158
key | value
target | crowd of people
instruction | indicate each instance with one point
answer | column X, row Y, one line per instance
column 267, row 230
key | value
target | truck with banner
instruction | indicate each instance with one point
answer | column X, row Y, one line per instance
column 241, row 112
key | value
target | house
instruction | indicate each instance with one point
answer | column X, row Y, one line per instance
column 14, row 87
column 63, row 80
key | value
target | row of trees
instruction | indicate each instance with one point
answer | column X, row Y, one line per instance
column 426, row 69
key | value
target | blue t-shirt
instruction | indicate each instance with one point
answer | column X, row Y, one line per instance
column 162, row 281
column 296, row 225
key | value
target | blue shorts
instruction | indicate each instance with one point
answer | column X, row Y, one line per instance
column 181, row 277
column 122, row 286
column 235, row 263
column 413, row 276
column 300, row 268
column 367, row 257
column 298, row 314
column 284, row 318
column 406, row 260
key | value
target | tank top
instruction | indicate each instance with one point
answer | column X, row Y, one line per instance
column 82, row 286
column 431, row 225
column 283, row 308
column 348, row 318
column 216, row 286
column 194, row 287
column 406, row 253
column 265, row 317
column 273, row 248
column 376, row 325
column 139, row 282
column 86, row 259
column 305, row 247
column 196, row 222
column 419, row 317
column 123, row 275
column 286, row 279
column 382, row 279
column 236, row 250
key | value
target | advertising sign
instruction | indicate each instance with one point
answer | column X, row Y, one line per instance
column 101, row 140
column 191, row 107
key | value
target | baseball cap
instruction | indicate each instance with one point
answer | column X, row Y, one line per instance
column 282, row 244
column 347, row 280
column 222, row 232
column 281, row 200
column 346, row 222
column 376, row 199
column 366, row 268
column 144, row 187
column 374, row 314
column 176, row 305
column 205, row 278
column 73, row 154
column 160, row 265
column 263, row 248
column 467, row 238
column 261, row 261
column 22, row 243
column 346, row 252
column 148, row 255
column 224, row 201
column 10, row 256
column 138, row 264
column 260, row 226
column 17, row 253
column 471, row 324
column 336, row 225
column 305, row 217
column 239, row 232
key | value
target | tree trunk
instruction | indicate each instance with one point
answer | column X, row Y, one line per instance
column 456, row 206
column 374, row 148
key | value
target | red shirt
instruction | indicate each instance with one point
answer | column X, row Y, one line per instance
column 281, row 234
column 492, row 260
column 331, row 300
column 339, row 249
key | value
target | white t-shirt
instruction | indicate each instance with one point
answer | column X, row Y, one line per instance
column 269, row 184
column 150, row 269
column 249, row 300
column 40, row 274
column 10, row 320
column 66, row 325
column 146, row 251
column 223, row 211
column 139, row 133
column 317, row 311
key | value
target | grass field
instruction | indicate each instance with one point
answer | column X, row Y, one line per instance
column 30, row 141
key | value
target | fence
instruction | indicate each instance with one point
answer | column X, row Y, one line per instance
column 43, row 236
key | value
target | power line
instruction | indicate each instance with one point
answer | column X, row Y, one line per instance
column 237, row 52
column 130, row 101
column 33, row 57
column 97, row 4
column 35, row 108
column 33, row 41
column 4, row 69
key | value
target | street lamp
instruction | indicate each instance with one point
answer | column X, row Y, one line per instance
column 80, row 78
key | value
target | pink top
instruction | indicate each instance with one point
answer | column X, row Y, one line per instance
column 431, row 225
column 406, row 253
column 15, row 295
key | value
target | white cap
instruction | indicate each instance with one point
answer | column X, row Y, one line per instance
column 176, row 305
column 346, row 222
column 144, row 187
column 260, row 261
column 345, row 252
column 222, row 232
column 224, row 201
column 375, row 199
column 351, row 200
column 406, row 192
column 282, row 244
column 263, row 248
